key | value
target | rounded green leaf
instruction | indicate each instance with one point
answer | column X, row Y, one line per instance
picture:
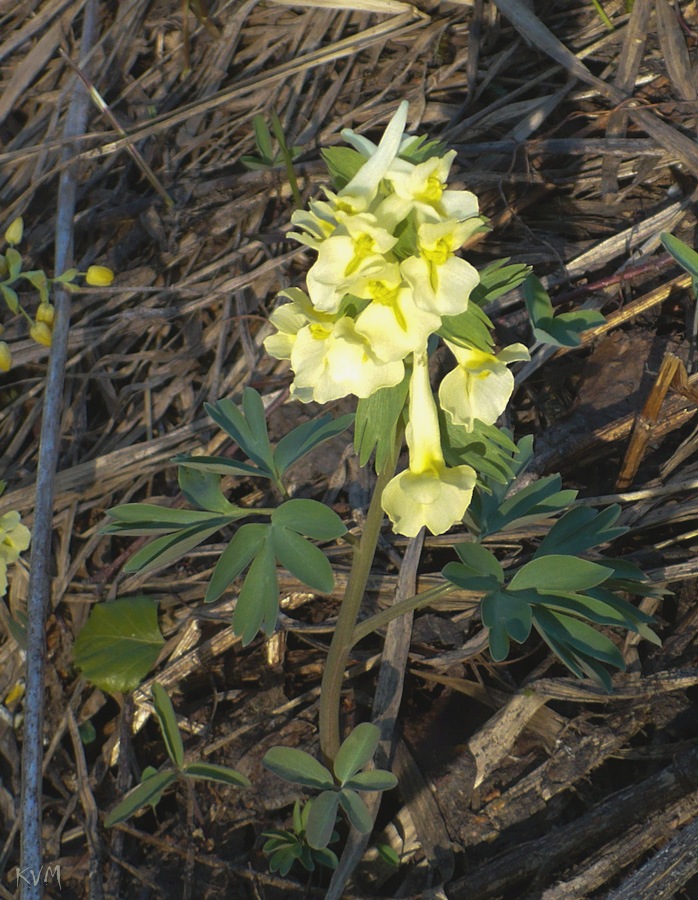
column 119, row 643
column 504, row 610
column 168, row 725
column 356, row 751
column 356, row 811
column 322, row 818
column 565, row 573
column 297, row 766
column 302, row 559
column 308, row 517
column 373, row 780
column 479, row 560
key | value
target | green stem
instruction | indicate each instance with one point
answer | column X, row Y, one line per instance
column 343, row 637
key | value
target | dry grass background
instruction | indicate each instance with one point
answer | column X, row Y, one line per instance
column 515, row 782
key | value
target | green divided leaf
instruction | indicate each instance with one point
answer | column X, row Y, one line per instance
column 356, row 751
column 579, row 637
column 562, row 330
column 559, row 573
column 478, row 570
column 342, row 164
column 239, row 553
column 471, row 328
column 309, row 517
column 258, row 603
column 203, row 489
column 377, row 419
column 119, row 643
column 306, row 437
column 486, row 448
column 149, row 791
column 170, row 547
column 496, row 279
column 213, row 772
column 506, row 616
column 248, row 428
column 539, row 500
column 221, row 465
column 302, row 559
column 146, row 518
column 580, row 529
column 298, row 767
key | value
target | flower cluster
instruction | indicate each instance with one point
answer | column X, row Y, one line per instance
column 387, row 275
column 41, row 325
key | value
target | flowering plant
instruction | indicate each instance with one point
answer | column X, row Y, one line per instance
column 386, row 285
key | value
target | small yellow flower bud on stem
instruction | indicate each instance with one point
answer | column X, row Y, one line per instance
column 99, row 276
column 14, row 233
column 41, row 333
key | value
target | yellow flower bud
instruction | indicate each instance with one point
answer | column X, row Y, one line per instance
column 99, row 276
column 41, row 333
column 46, row 313
column 5, row 357
column 14, row 233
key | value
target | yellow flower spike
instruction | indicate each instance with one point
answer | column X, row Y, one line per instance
column 41, row 333
column 429, row 493
column 99, row 276
column 480, row 385
column 46, row 313
column 5, row 357
column 14, row 232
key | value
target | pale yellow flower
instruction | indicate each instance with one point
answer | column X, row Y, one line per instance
column 14, row 539
column 442, row 281
column 288, row 319
column 331, row 360
column 392, row 324
column 356, row 248
column 422, row 187
column 429, row 493
column 480, row 385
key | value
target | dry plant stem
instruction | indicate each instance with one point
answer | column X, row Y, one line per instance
column 40, row 562
column 343, row 637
